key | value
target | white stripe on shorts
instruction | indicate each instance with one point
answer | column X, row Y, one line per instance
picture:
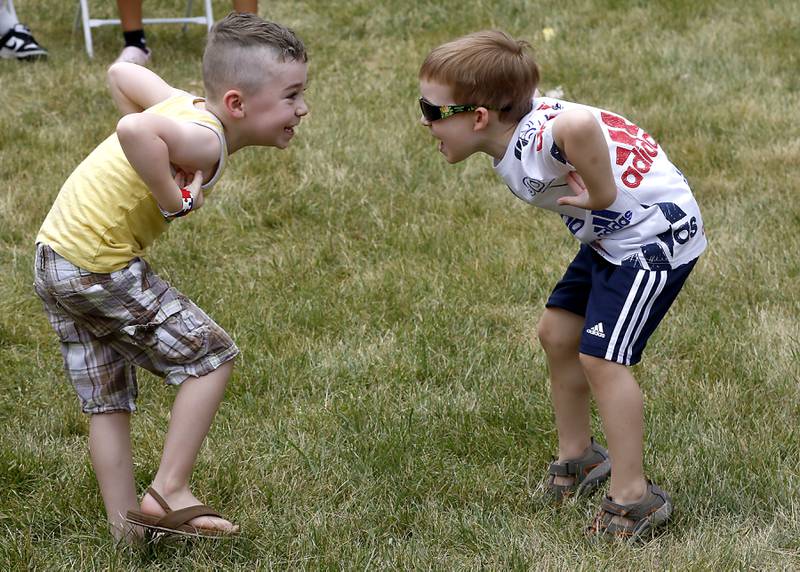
column 659, row 288
column 618, row 326
column 652, row 277
column 641, row 307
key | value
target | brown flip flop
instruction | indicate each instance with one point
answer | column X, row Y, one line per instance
column 176, row 521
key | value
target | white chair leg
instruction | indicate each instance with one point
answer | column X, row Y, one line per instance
column 87, row 30
column 209, row 15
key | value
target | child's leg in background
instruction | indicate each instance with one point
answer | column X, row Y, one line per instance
column 8, row 16
column 130, row 15
column 559, row 332
column 250, row 6
column 619, row 402
column 135, row 50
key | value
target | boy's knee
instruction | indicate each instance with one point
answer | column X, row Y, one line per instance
column 555, row 339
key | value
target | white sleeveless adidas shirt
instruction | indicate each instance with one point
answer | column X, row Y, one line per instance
column 654, row 223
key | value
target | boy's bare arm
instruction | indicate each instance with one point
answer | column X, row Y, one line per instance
column 579, row 136
column 153, row 143
column 135, row 88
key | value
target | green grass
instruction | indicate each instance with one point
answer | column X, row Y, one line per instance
column 389, row 409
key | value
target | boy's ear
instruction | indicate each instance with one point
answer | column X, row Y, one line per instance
column 233, row 102
column 480, row 119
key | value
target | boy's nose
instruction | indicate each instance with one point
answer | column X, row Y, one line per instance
column 424, row 121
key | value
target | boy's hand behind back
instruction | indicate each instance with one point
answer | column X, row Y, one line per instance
column 153, row 143
column 193, row 184
column 582, row 199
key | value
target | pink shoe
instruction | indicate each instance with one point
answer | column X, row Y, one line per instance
column 134, row 55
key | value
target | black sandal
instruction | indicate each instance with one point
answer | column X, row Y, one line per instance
column 639, row 518
column 588, row 473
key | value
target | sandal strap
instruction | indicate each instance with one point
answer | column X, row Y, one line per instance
column 653, row 500
column 594, row 456
column 180, row 517
column 159, row 499
column 612, row 508
column 560, row 469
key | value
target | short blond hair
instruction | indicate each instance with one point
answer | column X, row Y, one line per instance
column 236, row 48
column 487, row 68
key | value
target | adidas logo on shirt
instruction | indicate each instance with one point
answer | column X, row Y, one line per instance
column 605, row 222
column 597, row 330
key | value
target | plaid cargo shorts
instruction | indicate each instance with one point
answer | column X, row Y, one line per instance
column 107, row 323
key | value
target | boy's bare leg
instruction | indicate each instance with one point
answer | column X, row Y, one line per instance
column 110, row 451
column 130, row 14
column 192, row 413
column 619, row 402
column 559, row 333
column 250, row 6
column 135, row 50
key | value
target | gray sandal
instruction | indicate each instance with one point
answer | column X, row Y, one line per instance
column 640, row 518
column 587, row 472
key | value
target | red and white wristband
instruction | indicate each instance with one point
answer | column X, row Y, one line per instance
column 186, row 206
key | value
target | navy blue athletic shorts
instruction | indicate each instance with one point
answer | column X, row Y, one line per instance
column 622, row 305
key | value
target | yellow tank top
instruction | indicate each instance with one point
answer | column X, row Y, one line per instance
column 104, row 214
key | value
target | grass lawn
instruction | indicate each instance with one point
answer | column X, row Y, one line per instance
column 389, row 409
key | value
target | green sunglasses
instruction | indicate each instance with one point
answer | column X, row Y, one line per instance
column 433, row 112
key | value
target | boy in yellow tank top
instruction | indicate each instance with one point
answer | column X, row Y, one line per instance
column 110, row 310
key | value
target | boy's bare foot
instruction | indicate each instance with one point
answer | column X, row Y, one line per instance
column 183, row 499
